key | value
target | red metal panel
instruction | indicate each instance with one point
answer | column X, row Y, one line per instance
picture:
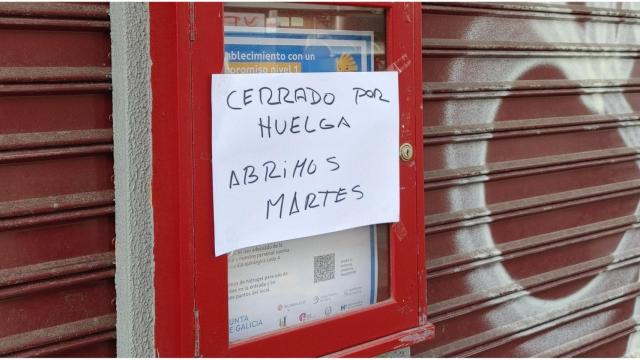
column 532, row 182
column 56, row 201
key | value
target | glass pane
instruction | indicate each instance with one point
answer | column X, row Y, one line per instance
column 290, row 283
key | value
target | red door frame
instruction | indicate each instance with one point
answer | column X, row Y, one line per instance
column 180, row 35
column 172, row 195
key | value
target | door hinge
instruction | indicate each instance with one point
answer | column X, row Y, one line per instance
column 192, row 22
column 196, row 345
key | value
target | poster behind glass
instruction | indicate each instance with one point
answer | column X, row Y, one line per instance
column 289, row 283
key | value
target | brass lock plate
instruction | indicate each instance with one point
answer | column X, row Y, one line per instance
column 406, row 152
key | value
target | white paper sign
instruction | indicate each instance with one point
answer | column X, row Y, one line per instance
column 275, row 286
column 298, row 155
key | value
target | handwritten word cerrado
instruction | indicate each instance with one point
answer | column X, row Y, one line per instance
column 237, row 100
column 270, row 170
column 288, row 206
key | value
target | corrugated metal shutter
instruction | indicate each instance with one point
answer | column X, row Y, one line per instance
column 532, row 115
column 56, row 176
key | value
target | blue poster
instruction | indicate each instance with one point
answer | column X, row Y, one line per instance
column 259, row 50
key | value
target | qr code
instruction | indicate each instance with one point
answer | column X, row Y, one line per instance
column 324, row 267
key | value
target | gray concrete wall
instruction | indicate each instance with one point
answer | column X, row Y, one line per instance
column 131, row 67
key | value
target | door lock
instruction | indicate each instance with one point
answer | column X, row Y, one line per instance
column 406, row 152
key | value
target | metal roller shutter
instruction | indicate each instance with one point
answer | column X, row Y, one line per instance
column 56, row 181
column 532, row 191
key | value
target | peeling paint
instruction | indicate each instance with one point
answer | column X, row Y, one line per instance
column 414, row 338
column 400, row 230
column 401, row 64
